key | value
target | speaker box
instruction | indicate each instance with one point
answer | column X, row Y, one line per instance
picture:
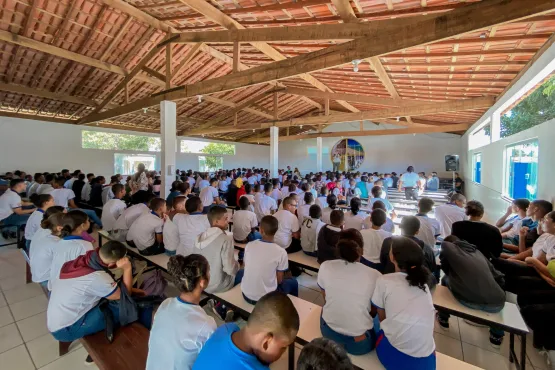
column 452, row 162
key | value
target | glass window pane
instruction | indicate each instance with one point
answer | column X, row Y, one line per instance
column 126, row 164
column 480, row 138
column 193, row 146
column 521, row 170
column 210, row 163
column 113, row 141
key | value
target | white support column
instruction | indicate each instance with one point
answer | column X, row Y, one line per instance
column 168, row 118
column 274, row 142
column 319, row 154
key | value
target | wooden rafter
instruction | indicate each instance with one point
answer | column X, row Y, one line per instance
column 17, row 50
column 47, row 94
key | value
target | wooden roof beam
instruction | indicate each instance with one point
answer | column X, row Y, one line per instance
column 47, row 94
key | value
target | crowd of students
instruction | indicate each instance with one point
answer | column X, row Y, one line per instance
column 320, row 215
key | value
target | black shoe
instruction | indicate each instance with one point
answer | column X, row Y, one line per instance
column 495, row 340
column 89, row 361
column 443, row 323
column 5, row 235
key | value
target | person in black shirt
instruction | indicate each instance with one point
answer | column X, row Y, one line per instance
column 78, row 187
column 231, row 196
column 329, row 235
column 487, row 238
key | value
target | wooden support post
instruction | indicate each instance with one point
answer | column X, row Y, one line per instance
column 126, row 88
column 327, row 107
column 361, row 125
column 287, row 134
column 235, row 119
column 276, row 105
column 169, row 56
column 236, row 56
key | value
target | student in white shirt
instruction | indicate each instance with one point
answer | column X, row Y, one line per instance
column 288, row 234
column 265, row 265
column 86, row 191
column 203, row 182
column 181, row 326
column 114, row 208
column 46, row 187
column 389, row 226
column 126, row 219
column 39, row 180
column 511, row 222
column 373, row 239
column 145, row 233
column 190, row 225
column 170, row 231
column 42, row 202
column 405, row 310
column 209, row 196
column 276, row 193
column 347, row 315
column 43, row 244
column 429, row 227
column 107, row 191
column 447, row 214
column 303, row 211
column 66, row 198
column 245, row 223
column 310, row 229
column 322, row 199
column 354, row 218
column 266, row 205
column 11, row 211
column 332, row 205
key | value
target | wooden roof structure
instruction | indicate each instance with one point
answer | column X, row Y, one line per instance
column 237, row 67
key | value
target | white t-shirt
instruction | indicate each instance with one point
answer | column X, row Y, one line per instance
column 446, row 215
column 45, row 189
column 349, row 288
column 191, row 180
column 107, row 194
column 373, row 240
column 429, row 228
column 9, row 201
column 62, row 196
column 42, row 251
column 66, row 250
column 207, row 195
column 86, row 192
column 546, row 244
column 111, row 211
column 262, row 261
column 143, row 231
column 129, row 216
column 515, row 229
column 178, row 334
column 189, row 226
column 322, row 202
column 354, row 221
column 223, row 185
column 288, row 224
column 33, row 188
column 264, row 207
column 310, row 229
column 203, row 183
column 73, row 298
column 243, row 222
column 33, row 223
column 303, row 212
column 409, row 323
column 276, row 195
column 326, row 212
column 171, row 235
column 252, row 180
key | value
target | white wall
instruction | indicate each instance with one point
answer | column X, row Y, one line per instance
column 426, row 152
column 38, row 146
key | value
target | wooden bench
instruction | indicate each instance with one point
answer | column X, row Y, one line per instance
column 509, row 319
column 128, row 351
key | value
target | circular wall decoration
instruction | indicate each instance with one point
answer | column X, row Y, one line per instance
column 347, row 155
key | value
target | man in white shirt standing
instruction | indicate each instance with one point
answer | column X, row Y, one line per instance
column 265, row 205
column 210, row 196
column 449, row 213
column 409, row 181
column 288, row 234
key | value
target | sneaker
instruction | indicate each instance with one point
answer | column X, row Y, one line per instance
column 89, row 361
column 475, row 324
column 229, row 315
column 444, row 324
column 495, row 341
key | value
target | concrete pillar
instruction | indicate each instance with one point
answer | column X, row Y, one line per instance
column 319, row 154
column 274, row 142
column 168, row 119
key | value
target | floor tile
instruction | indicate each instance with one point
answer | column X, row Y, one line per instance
column 44, row 349
column 16, row 359
column 308, row 294
column 5, row 316
column 33, row 327
column 12, row 282
column 9, row 337
column 479, row 337
column 486, row 359
column 538, row 360
column 23, row 293
column 2, row 300
column 309, row 280
column 72, row 361
column 8, row 269
column 453, row 330
column 448, row 346
column 30, row 307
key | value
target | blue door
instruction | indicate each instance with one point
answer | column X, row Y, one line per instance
column 478, row 172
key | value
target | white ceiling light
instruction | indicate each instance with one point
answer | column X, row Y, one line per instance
column 199, row 98
column 355, row 63
column 145, row 110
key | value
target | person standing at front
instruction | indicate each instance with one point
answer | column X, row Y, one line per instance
column 409, row 181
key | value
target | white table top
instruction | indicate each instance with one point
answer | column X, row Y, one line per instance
column 510, row 315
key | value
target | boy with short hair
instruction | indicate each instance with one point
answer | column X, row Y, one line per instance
column 113, row 209
column 510, row 225
column 310, row 229
column 265, row 265
column 131, row 214
column 145, row 233
column 288, row 233
column 377, row 193
column 373, row 240
column 271, row 328
column 170, row 231
column 11, row 212
column 86, row 191
column 244, row 223
column 429, row 227
column 324, row 354
column 190, row 225
column 265, row 205
column 449, row 213
column 210, row 196
column 329, row 235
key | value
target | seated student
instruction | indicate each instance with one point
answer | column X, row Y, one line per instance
column 209, row 196
column 231, row 196
column 223, row 186
column 72, row 245
column 11, row 211
column 265, row 264
column 276, row 192
column 373, row 240
column 377, row 193
column 302, row 211
column 46, row 187
column 203, row 181
column 332, row 205
column 265, row 205
column 86, row 191
column 66, row 198
column 77, row 187
column 244, row 223
column 42, row 202
column 511, row 222
column 271, row 328
column 346, row 316
column 535, row 213
column 174, row 192
column 190, row 225
column 432, row 183
column 362, row 185
column 406, row 311
column 107, row 192
column 181, row 326
column 329, row 235
column 43, row 244
column 73, row 311
column 170, row 231
column 389, row 226
column 140, row 201
column 310, row 229
column 114, row 208
column 33, row 187
column 288, row 233
column 449, row 213
column 429, row 227
column 473, row 280
column 323, row 354
column 146, row 233
column 322, row 199
column 484, row 236
column 352, row 191
column 97, row 185
column 354, row 218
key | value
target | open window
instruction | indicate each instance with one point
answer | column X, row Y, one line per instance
column 521, row 170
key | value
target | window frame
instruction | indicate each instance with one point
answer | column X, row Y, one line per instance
column 506, row 163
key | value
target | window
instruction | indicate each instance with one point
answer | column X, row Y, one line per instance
column 481, row 137
column 203, row 147
column 477, row 167
column 210, row 163
column 126, row 164
column 521, row 170
column 113, row 141
column 314, row 150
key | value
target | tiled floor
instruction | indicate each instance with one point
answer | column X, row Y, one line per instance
column 25, row 343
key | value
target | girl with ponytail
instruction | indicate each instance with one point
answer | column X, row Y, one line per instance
column 355, row 218
column 406, row 311
column 180, row 320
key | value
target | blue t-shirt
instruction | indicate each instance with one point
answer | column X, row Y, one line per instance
column 432, row 184
column 410, row 179
column 172, row 196
column 363, row 189
column 219, row 352
column 388, row 205
column 526, row 222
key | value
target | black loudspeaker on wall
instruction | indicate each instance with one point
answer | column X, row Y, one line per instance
column 452, row 162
